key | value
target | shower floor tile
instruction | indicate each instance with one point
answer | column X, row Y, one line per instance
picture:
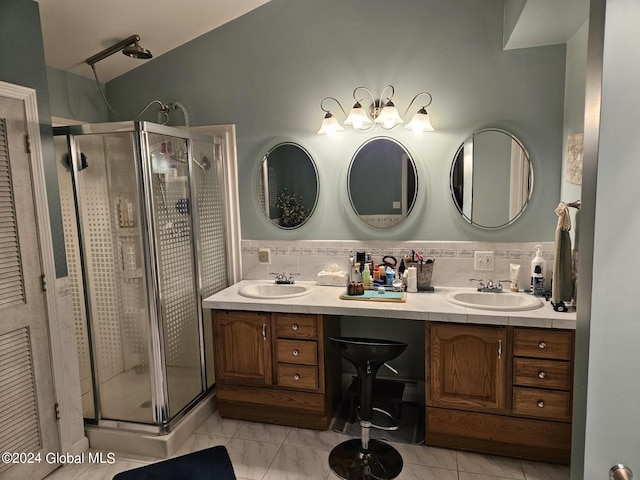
column 127, row 396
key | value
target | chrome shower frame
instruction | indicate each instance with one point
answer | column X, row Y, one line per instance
column 162, row 422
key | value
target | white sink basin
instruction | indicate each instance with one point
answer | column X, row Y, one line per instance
column 273, row 290
column 507, row 302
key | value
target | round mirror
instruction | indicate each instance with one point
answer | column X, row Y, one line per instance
column 382, row 183
column 288, row 185
column 491, row 178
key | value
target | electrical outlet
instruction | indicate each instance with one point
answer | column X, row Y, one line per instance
column 483, row 260
column 264, row 256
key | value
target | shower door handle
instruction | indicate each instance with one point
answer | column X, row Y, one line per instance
column 264, row 331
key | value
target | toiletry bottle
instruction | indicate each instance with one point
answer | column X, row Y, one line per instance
column 514, row 277
column 366, row 276
column 537, row 281
column 381, row 273
column 389, row 276
column 538, row 267
column 376, row 273
column 357, row 274
column 412, row 279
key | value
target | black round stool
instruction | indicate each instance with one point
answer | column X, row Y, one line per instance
column 366, row 458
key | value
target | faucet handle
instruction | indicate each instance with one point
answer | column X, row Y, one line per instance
column 291, row 279
column 280, row 277
column 500, row 282
column 480, row 282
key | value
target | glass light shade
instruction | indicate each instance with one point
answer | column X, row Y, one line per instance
column 420, row 122
column 358, row 117
column 330, row 126
column 389, row 116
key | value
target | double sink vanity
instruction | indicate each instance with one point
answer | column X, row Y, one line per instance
column 498, row 366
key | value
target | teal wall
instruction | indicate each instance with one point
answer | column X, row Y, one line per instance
column 268, row 70
column 22, row 63
column 75, row 98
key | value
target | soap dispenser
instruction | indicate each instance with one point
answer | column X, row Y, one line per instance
column 538, row 267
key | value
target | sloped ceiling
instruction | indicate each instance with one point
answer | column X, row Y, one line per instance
column 535, row 23
column 74, row 30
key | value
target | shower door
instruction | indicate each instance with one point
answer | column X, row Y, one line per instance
column 172, row 238
column 108, row 275
column 145, row 240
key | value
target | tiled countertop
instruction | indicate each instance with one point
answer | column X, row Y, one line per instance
column 420, row 306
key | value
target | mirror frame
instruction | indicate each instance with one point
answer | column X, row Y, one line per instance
column 256, row 177
column 419, row 196
column 531, row 179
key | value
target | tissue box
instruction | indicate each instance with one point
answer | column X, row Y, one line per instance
column 332, row 279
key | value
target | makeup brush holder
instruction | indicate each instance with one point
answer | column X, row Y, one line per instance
column 424, row 271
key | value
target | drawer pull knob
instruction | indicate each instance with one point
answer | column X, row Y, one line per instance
column 295, row 353
column 542, row 375
column 294, row 327
column 296, row 377
column 540, row 404
column 542, row 345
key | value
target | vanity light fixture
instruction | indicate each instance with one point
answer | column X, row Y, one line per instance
column 382, row 112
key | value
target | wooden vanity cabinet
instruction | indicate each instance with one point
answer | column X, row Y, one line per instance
column 468, row 367
column 499, row 390
column 243, row 350
column 276, row 367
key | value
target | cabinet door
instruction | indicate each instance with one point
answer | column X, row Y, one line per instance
column 468, row 367
column 242, row 347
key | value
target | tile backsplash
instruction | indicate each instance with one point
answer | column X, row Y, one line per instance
column 453, row 265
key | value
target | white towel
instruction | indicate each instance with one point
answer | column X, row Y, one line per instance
column 562, row 285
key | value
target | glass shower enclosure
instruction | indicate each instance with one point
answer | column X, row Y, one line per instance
column 145, row 242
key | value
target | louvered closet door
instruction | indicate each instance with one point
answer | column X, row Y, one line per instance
column 27, row 418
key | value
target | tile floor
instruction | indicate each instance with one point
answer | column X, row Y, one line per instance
column 270, row 452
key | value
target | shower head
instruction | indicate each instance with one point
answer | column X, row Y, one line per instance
column 129, row 47
column 136, row 51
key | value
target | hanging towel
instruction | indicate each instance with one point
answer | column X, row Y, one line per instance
column 562, row 285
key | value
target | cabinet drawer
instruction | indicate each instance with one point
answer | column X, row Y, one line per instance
column 550, row 404
column 531, row 342
column 296, row 351
column 297, row 376
column 530, row 372
column 296, row 326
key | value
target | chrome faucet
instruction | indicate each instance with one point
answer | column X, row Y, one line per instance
column 282, row 279
column 490, row 286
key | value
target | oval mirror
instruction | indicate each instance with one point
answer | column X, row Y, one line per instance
column 288, row 185
column 491, row 178
column 382, row 183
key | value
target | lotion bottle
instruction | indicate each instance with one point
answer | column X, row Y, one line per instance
column 366, row 276
column 538, row 268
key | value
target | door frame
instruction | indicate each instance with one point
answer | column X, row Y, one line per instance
column 43, row 226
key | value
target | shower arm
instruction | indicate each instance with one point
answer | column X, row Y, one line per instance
column 107, row 52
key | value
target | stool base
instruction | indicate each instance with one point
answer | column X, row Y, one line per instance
column 380, row 462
